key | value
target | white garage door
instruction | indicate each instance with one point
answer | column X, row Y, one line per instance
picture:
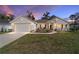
column 22, row 27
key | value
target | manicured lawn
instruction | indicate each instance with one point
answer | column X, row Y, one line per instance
column 45, row 43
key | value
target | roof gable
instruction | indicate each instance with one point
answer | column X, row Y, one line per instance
column 59, row 20
column 22, row 19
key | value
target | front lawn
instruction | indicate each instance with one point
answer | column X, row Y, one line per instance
column 44, row 43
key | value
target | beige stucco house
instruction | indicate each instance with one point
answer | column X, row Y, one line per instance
column 25, row 24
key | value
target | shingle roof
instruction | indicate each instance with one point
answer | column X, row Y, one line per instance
column 42, row 21
column 51, row 18
column 37, row 21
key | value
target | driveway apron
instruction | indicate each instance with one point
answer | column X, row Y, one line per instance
column 10, row 37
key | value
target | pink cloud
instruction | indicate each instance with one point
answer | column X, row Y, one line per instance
column 38, row 10
column 37, row 15
column 6, row 9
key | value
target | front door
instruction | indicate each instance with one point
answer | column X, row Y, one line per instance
column 51, row 27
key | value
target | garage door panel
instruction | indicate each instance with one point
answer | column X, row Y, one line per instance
column 22, row 27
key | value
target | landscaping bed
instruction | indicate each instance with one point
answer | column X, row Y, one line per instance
column 43, row 30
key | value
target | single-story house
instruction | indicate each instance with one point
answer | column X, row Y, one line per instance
column 25, row 24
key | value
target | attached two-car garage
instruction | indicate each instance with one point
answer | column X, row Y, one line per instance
column 22, row 27
column 23, row 24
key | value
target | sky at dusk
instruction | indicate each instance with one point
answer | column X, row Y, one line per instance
column 62, row 11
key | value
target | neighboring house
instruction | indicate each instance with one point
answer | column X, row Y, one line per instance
column 5, row 25
column 25, row 24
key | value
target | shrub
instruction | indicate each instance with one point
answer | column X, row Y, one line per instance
column 5, row 30
column 2, row 29
column 9, row 30
column 74, row 27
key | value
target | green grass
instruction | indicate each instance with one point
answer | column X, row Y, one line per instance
column 45, row 43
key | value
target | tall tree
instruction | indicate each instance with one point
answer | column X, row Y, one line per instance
column 75, row 25
column 30, row 15
column 2, row 16
column 33, row 18
column 9, row 17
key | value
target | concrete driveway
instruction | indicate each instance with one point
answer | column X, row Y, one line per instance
column 10, row 37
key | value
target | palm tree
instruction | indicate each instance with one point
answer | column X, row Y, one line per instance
column 30, row 15
column 46, row 15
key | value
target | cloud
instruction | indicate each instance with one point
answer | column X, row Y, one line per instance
column 37, row 10
column 6, row 9
column 40, row 9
